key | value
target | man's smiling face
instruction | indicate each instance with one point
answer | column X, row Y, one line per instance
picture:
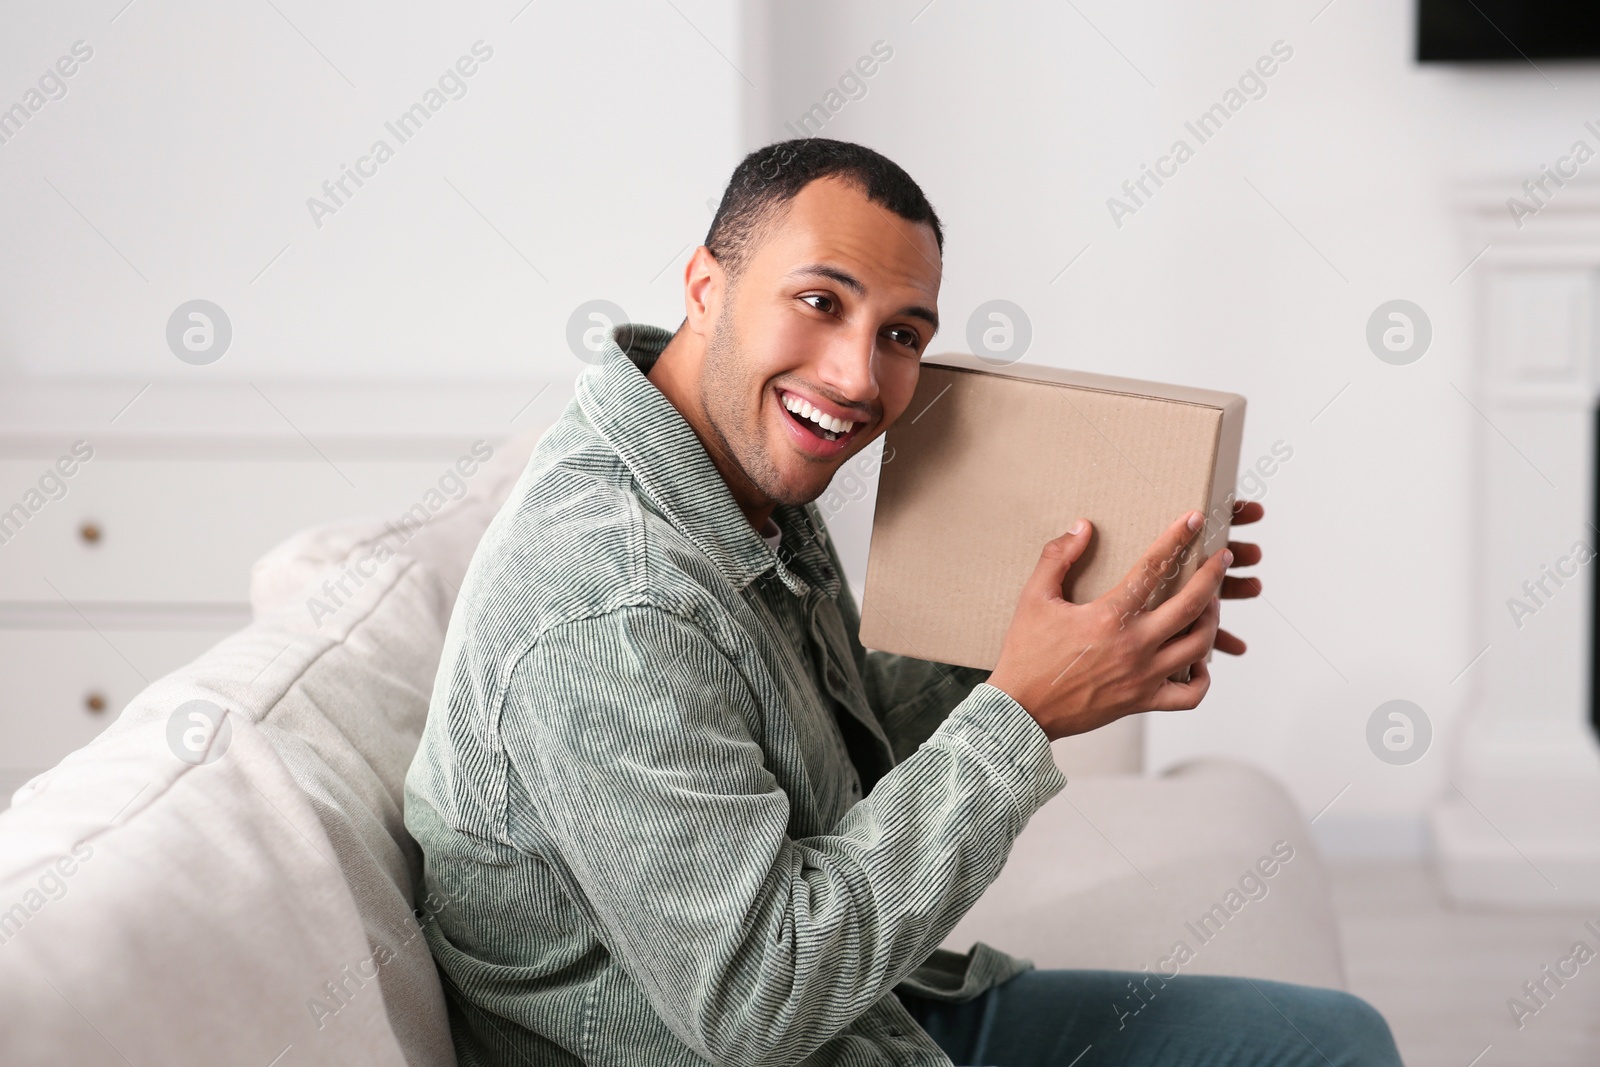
column 813, row 349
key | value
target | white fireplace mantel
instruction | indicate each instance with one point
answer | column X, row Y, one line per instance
column 1519, row 821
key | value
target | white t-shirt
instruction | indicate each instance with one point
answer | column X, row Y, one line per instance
column 771, row 534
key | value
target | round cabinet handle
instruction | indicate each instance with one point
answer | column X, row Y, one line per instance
column 95, row 702
column 89, row 532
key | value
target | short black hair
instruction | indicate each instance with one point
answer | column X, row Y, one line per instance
column 770, row 177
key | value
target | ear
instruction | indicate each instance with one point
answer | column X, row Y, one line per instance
column 704, row 289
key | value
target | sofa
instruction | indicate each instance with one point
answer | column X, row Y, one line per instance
column 223, row 875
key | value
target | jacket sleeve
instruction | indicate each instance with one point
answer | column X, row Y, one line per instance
column 637, row 738
column 913, row 696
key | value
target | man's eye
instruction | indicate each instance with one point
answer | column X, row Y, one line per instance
column 906, row 337
column 825, row 302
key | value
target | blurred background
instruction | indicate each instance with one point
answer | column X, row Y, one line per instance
column 233, row 316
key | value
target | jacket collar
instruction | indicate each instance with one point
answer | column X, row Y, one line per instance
column 669, row 462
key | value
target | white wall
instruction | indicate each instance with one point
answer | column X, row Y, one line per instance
column 193, row 137
column 1020, row 120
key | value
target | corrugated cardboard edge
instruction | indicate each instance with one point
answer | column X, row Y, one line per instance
column 1104, row 383
column 1224, row 478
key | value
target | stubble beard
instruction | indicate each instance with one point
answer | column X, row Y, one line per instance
column 722, row 398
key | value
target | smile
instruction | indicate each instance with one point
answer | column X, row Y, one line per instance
column 820, row 423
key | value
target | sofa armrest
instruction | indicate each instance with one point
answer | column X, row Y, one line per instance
column 1124, row 872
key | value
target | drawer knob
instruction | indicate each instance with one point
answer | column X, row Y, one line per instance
column 89, row 532
column 95, row 702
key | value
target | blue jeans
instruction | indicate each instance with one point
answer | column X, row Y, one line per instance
column 1059, row 1018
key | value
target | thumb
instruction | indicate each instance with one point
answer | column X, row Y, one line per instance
column 1056, row 560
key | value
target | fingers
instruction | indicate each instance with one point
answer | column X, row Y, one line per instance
column 1245, row 553
column 1160, row 562
column 1056, row 559
column 1245, row 511
column 1238, row 588
column 1187, row 603
column 1191, row 646
column 1228, row 643
column 1184, row 696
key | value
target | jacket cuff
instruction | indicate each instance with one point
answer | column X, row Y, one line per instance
column 1010, row 743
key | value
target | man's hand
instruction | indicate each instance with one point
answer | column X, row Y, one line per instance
column 1245, row 554
column 1077, row 667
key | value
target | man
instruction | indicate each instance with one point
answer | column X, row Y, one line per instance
column 673, row 813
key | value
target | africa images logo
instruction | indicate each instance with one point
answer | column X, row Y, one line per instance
column 199, row 332
column 1399, row 732
column 199, row 732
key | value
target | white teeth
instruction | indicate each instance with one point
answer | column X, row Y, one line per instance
column 827, row 422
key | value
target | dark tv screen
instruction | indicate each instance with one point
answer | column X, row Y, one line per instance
column 1453, row 31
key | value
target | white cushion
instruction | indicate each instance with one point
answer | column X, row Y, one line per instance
column 215, row 908
column 163, row 912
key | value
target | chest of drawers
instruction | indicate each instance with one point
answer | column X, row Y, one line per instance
column 130, row 515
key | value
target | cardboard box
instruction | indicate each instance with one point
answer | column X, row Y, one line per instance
column 987, row 464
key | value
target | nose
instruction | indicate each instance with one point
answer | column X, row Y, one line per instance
column 849, row 369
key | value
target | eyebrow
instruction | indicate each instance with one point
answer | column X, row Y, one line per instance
column 854, row 284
